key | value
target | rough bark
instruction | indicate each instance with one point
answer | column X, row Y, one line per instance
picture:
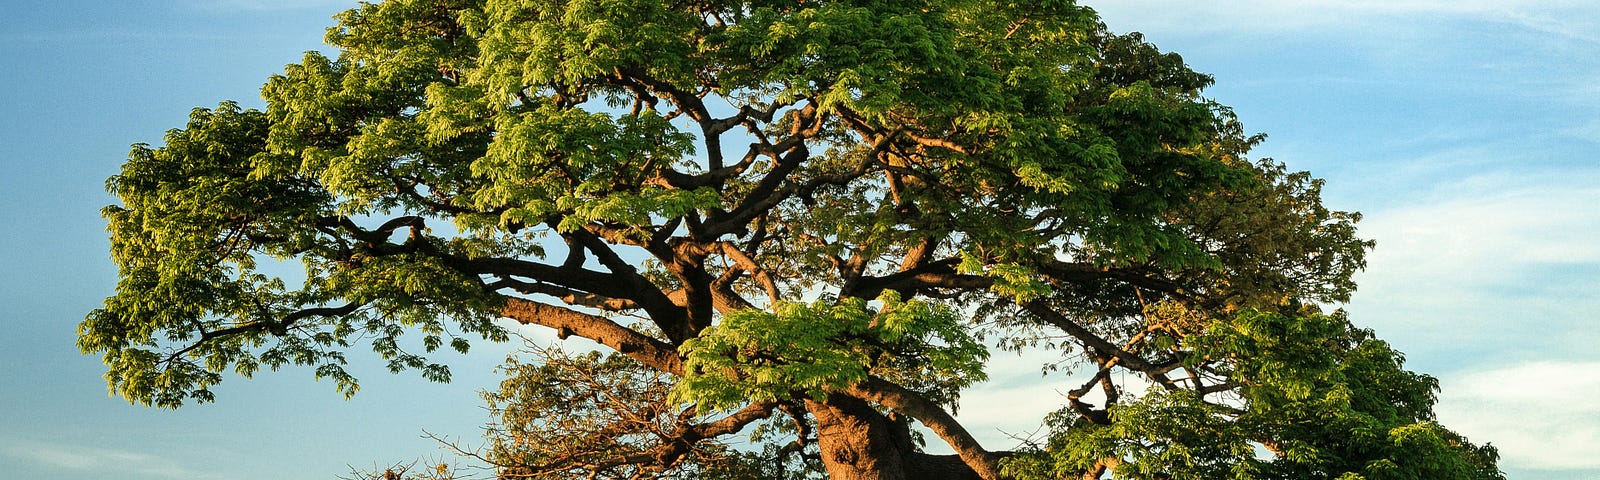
column 857, row 441
column 860, row 443
column 646, row 350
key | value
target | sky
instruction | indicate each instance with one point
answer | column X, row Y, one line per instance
column 1465, row 131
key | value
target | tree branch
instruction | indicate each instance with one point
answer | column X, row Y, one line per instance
column 1093, row 341
column 903, row 400
column 649, row 351
column 275, row 327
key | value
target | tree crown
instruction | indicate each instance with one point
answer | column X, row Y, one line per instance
column 815, row 209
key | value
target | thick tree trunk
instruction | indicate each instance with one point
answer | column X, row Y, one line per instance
column 859, row 443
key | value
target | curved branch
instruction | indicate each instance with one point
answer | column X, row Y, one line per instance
column 567, row 295
column 749, row 265
column 903, row 400
column 649, row 351
column 1095, row 342
column 276, row 327
column 926, row 275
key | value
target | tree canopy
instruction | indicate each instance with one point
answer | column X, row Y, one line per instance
column 805, row 224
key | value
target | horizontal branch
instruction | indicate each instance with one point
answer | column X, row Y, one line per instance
column 277, row 327
column 649, row 351
column 1093, row 341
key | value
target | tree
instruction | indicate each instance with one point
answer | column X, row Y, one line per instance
column 808, row 219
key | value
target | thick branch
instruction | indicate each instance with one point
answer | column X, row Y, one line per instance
column 567, row 295
column 624, row 286
column 765, row 195
column 905, row 401
column 1066, row 272
column 927, row 275
column 749, row 265
column 635, row 345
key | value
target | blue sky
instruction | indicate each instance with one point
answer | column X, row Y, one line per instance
column 1465, row 131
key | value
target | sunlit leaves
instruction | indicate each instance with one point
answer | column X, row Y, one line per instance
column 812, row 349
column 1163, row 435
column 197, row 217
column 543, row 42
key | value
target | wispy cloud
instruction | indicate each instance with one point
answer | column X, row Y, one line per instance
column 1588, row 131
column 1569, row 18
column 1012, row 403
column 1008, row 410
column 261, row 5
column 1541, row 415
column 101, row 462
column 1487, row 223
column 1453, row 266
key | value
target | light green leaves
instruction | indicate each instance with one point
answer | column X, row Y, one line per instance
column 1011, row 280
column 203, row 220
column 544, row 42
column 814, row 349
column 1173, row 435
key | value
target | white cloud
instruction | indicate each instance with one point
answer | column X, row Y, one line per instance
column 1541, row 415
column 1481, row 228
column 1588, row 131
column 1002, row 416
column 1013, row 402
column 1483, row 274
column 1008, row 410
column 1475, row 253
column 1570, row 18
column 102, row 462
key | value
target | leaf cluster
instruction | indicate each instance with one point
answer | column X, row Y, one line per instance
column 814, row 349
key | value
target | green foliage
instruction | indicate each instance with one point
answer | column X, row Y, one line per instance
column 813, row 349
column 198, row 216
column 940, row 171
column 1315, row 398
column 551, row 160
column 1163, row 435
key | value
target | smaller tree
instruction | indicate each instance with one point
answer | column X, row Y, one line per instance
column 592, row 415
column 407, row 471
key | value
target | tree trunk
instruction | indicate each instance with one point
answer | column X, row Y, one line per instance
column 859, row 443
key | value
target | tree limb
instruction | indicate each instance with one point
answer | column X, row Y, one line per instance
column 635, row 345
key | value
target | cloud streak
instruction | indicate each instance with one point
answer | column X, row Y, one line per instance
column 1541, row 415
column 1490, row 277
column 1453, row 267
column 1569, row 19
column 102, row 462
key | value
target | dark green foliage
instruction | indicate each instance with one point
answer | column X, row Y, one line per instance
column 1311, row 397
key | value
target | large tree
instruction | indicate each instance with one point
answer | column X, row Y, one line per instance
column 811, row 220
